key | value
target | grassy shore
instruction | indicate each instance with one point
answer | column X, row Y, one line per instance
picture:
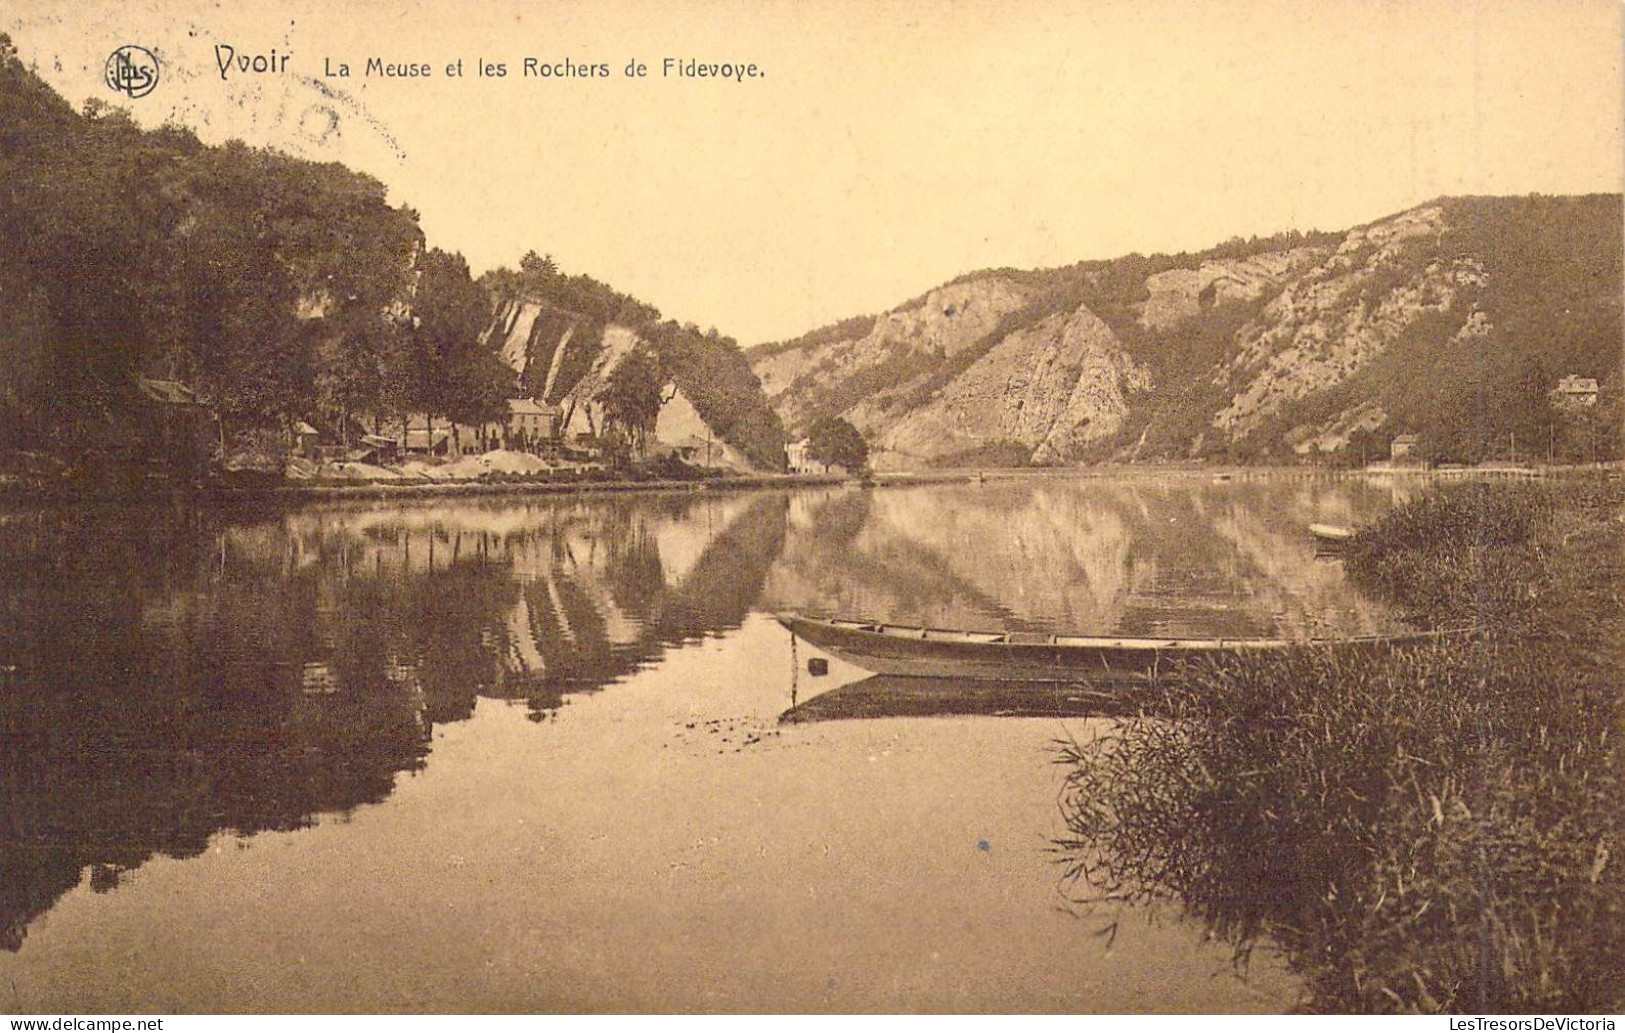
column 1436, row 830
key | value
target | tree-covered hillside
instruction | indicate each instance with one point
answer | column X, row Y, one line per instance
column 278, row 289
column 707, row 367
column 1549, row 302
column 1453, row 321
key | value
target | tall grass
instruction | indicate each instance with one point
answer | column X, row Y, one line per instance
column 1434, row 829
column 1467, row 553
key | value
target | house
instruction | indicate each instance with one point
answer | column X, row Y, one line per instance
column 421, row 435
column 428, row 441
column 1575, row 392
column 795, row 456
column 306, row 440
column 1404, row 446
column 377, row 448
column 531, row 423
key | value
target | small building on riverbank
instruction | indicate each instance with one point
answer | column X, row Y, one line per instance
column 1575, row 392
column 795, row 457
column 531, row 424
column 1405, row 448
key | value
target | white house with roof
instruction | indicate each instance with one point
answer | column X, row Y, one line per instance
column 795, row 456
column 1575, row 392
column 534, row 420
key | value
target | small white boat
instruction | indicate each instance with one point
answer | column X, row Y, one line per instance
column 1331, row 533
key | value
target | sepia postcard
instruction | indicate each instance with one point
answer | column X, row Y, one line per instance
column 839, row 506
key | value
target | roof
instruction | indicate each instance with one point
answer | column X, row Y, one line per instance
column 304, row 428
column 422, row 439
column 168, row 392
column 531, row 407
column 1578, row 385
column 379, row 441
column 1410, row 438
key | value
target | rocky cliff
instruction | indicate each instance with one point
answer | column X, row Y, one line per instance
column 1451, row 320
column 1061, row 383
column 712, row 401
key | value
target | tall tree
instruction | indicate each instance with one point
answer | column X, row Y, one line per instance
column 456, row 376
column 835, row 442
column 631, row 398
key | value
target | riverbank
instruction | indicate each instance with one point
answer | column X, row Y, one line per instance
column 18, row 493
column 281, row 491
column 1440, row 830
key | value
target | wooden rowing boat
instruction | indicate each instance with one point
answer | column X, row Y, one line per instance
column 1331, row 534
column 1016, row 656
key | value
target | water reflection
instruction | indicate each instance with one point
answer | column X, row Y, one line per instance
column 888, row 696
column 1132, row 556
column 166, row 676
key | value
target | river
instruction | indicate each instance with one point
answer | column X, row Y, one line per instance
column 526, row 754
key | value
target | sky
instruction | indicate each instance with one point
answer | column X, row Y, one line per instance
column 886, row 146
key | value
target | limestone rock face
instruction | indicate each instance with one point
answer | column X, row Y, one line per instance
column 539, row 342
column 533, row 338
column 903, row 347
column 1053, row 386
column 1329, row 323
column 950, row 318
column 1180, row 294
column 1310, row 344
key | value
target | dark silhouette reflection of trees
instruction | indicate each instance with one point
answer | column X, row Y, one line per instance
column 139, row 717
column 165, row 677
column 592, row 624
column 728, row 577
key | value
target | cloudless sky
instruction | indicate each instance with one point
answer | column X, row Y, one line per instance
column 890, row 146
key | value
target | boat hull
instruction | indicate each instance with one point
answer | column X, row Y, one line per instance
column 930, row 653
column 1330, row 534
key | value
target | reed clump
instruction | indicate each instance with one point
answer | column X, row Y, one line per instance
column 1431, row 829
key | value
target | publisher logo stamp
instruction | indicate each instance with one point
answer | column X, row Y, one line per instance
column 132, row 71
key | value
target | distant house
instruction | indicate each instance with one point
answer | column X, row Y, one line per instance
column 795, row 457
column 1575, row 392
column 428, row 441
column 1404, row 446
column 376, row 448
column 530, row 427
column 306, row 440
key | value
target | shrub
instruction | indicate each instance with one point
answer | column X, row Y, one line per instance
column 1423, row 830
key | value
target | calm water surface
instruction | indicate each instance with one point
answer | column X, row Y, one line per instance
column 526, row 755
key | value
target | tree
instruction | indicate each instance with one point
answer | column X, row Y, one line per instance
column 239, row 337
column 456, row 376
column 835, row 442
column 631, row 398
column 540, row 267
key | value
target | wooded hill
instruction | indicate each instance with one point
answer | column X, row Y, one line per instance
column 561, row 342
column 277, row 289
column 1453, row 320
